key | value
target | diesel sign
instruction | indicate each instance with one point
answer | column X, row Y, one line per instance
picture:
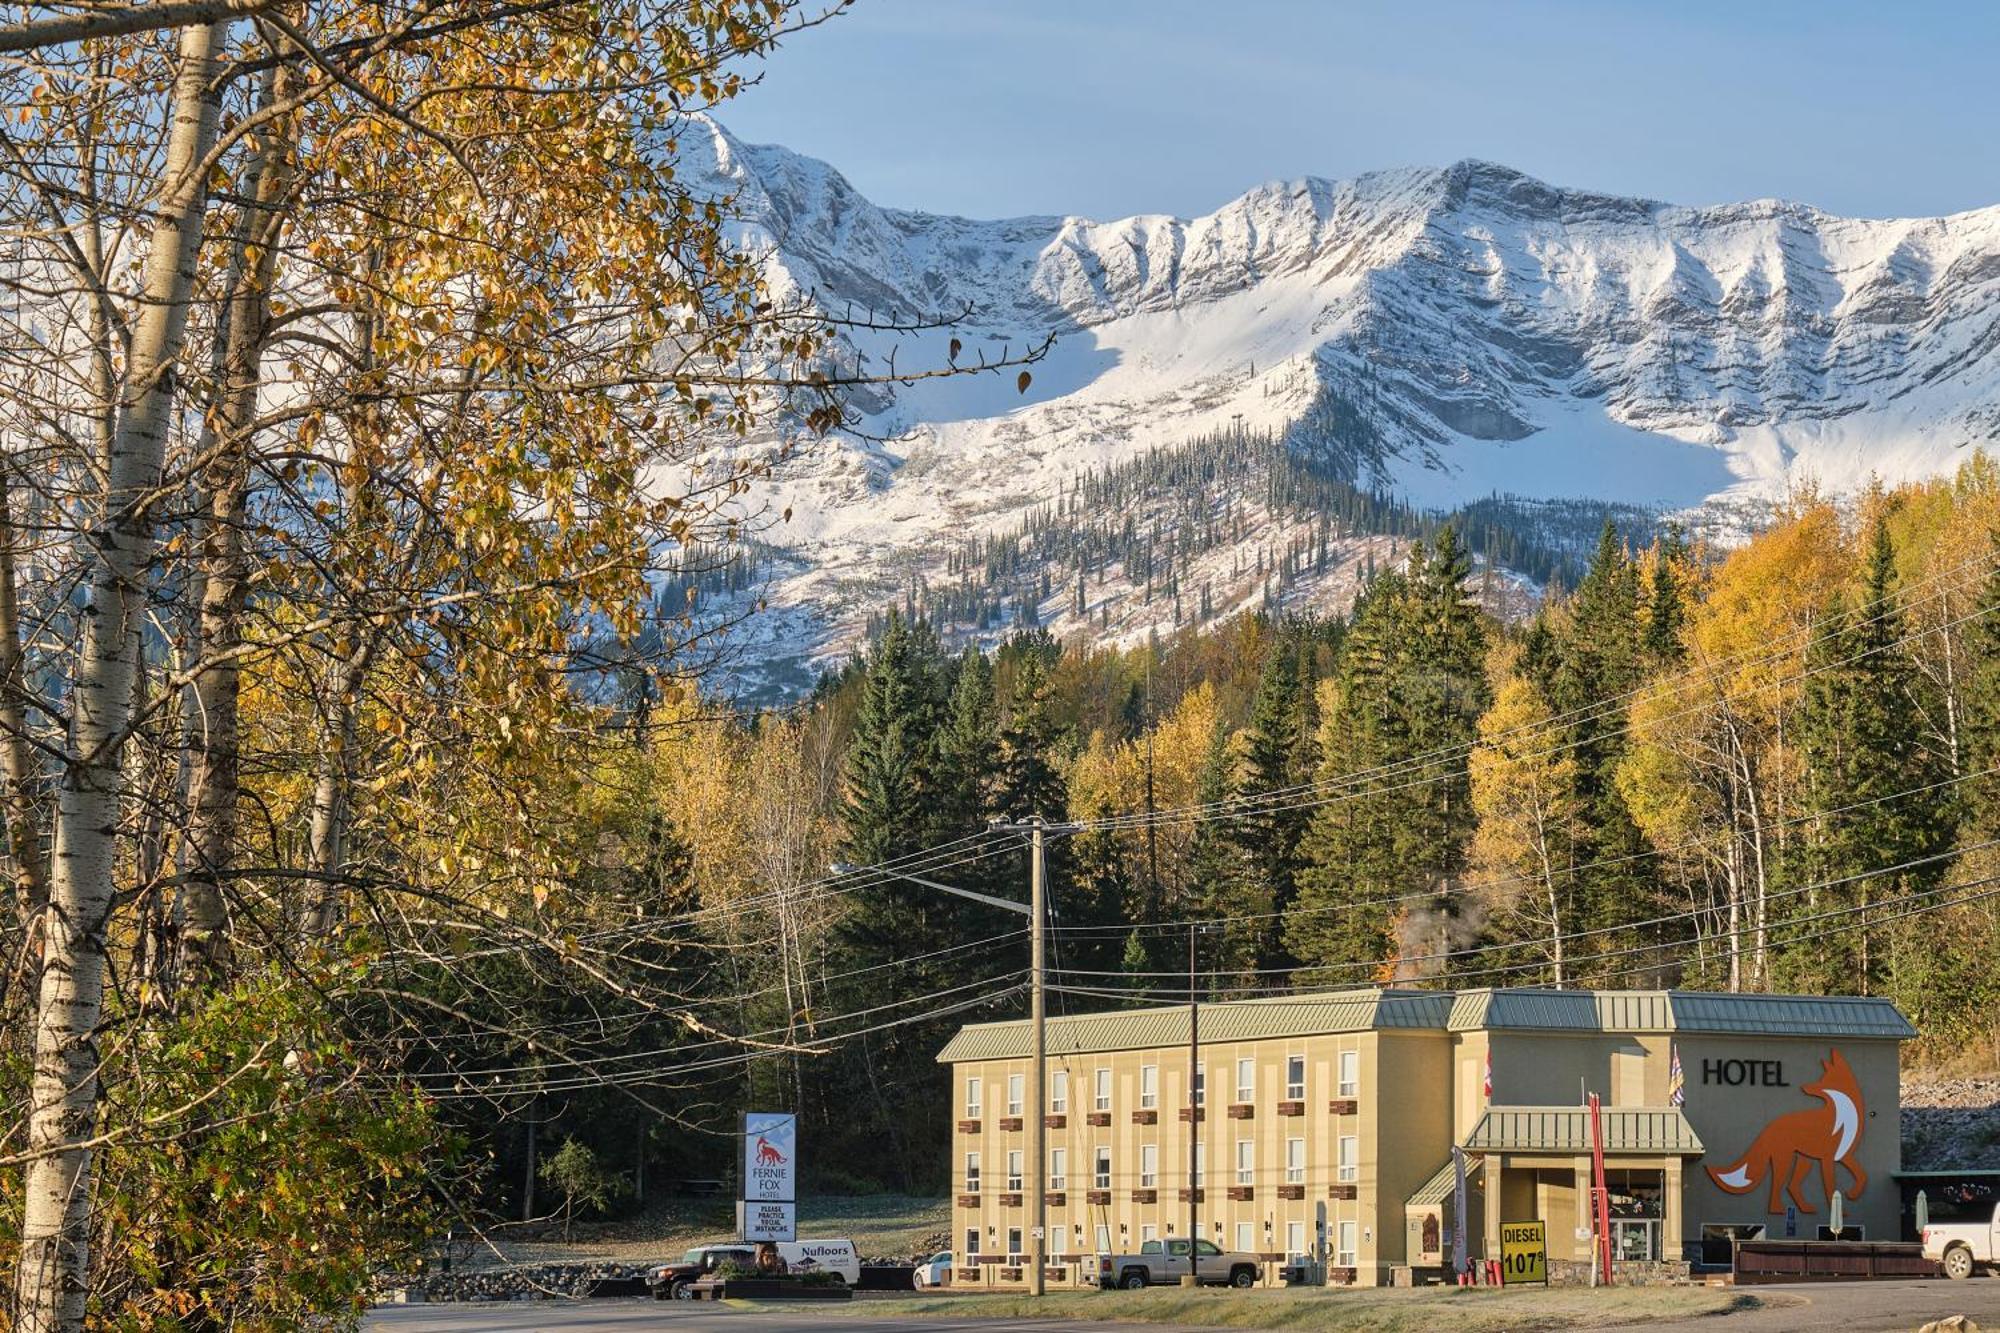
column 1737, row 1073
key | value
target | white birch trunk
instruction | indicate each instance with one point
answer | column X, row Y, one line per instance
column 53, row 1277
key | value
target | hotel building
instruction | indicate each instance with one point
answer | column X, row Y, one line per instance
column 1321, row 1126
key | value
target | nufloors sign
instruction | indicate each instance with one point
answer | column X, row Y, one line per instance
column 768, row 1209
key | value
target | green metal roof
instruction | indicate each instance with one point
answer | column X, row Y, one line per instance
column 1566, row 1129
column 1537, row 1009
column 1524, row 1009
column 1562, row 1010
column 1234, row 1020
column 1438, row 1188
column 1789, row 1015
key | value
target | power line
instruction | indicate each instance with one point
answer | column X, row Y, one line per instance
column 1271, row 801
column 1565, row 871
column 632, row 1078
column 1572, row 936
column 639, row 1016
column 625, row 1057
column 1858, row 909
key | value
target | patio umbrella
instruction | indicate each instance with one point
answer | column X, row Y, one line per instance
column 1835, row 1218
column 1923, row 1211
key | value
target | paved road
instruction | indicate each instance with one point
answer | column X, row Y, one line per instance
column 1859, row 1307
column 1863, row 1307
column 620, row 1316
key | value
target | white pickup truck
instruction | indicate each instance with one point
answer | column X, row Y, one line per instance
column 1164, row 1263
column 1964, row 1246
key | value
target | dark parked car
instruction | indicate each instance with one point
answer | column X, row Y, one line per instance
column 670, row 1281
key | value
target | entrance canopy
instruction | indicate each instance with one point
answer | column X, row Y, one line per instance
column 1649, row 1130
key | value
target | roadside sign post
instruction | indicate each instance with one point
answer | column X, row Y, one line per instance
column 1601, row 1195
column 767, row 1204
column 1461, row 1262
column 1524, row 1253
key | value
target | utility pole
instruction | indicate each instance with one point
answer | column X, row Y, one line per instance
column 1038, row 1133
column 1036, row 910
column 1194, row 1106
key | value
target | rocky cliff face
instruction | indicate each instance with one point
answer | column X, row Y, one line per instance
column 1446, row 335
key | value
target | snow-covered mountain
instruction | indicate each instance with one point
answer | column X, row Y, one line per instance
column 1440, row 334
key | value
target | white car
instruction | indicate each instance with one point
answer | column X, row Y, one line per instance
column 933, row 1272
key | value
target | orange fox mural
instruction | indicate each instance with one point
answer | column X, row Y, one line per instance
column 1789, row 1145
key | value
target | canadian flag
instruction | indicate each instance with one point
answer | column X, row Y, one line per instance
column 1489, row 1073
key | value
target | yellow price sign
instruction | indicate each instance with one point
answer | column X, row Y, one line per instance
column 1524, row 1253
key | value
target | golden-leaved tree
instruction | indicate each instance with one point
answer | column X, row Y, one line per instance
column 363, row 363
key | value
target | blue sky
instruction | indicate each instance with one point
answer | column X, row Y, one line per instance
column 992, row 108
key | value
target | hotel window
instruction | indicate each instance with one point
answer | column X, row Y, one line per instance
column 1149, row 1087
column 1059, row 1091
column 1200, row 1164
column 1246, row 1161
column 1295, row 1077
column 1148, row 1232
column 1101, row 1170
column 1103, row 1090
column 972, row 1173
column 1246, row 1080
column 1058, row 1167
column 1350, row 1159
column 1149, row 1166
column 1295, row 1241
column 1200, row 1087
column 971, row 1246
column 1014, row 1171
column 1013, row 1242
column 1246, row 1236
column 1104, row 1238
column 972, row 1098
column 1350, row 1073
column 1344, row 1252
column 1016, row 1083
column 1295, row 1161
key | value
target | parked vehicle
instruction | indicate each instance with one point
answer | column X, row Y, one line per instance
column 1965, row 1245
column 838, row 1257
column 673, row 1281
column 1164, row 1263
column 933, row 1272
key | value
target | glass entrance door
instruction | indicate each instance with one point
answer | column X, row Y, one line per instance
column 1635, row 1240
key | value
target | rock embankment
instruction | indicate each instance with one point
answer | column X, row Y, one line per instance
column 523, row 1282
column 1951, row 1124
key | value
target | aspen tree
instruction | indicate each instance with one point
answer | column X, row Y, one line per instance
column 52, row 1281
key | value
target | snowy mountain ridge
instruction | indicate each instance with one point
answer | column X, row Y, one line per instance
column 1439, row 334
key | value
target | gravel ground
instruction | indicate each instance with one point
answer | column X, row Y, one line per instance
column 886, row 1226
column 1951, row 1123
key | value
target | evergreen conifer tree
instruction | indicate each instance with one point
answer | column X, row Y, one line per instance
column 1135, row 963
column 1860, row 736
column 1033, row 737
column 1596, row 661
column 1981, row 705
column 1389, row 840
column 1267, row 833
column 968, row 755
column 1216, row 871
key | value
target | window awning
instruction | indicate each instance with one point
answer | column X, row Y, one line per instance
column 1653, row 1130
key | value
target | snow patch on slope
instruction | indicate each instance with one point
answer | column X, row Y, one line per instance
column 1496, row 334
